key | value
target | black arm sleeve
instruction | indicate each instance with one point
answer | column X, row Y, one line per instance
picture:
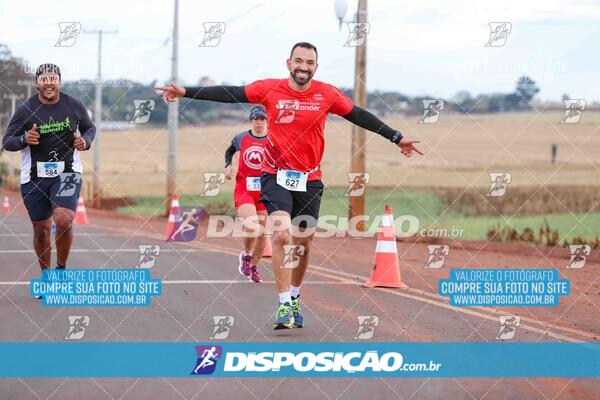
column 368, row 121
column 86, row 126
column 13, row 138
column 229, row 154
column 222, row 94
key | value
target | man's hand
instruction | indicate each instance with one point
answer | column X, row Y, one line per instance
column 31, row 136
column 407, row 147
column 228, row 172
column 79, row 143
column 171, row 92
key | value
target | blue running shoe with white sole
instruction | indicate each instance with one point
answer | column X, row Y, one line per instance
column 297, row 311
column 284, row 318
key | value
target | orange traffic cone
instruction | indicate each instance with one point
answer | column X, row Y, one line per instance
column 81, row 214
column 268, row 251
column 5, row 206
column 174, row 217
column 386, row 272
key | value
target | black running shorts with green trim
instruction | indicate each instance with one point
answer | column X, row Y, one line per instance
column 303, row 207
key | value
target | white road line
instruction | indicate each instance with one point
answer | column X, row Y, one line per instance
column 110, row 251
column 176, row 282
column 208, row 282
column 333, row 274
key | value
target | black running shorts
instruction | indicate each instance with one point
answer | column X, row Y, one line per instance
column 303, row 207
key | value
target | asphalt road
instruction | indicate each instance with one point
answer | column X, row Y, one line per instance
column 200, row 280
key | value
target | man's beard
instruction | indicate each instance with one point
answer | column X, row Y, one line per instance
column 301, row 81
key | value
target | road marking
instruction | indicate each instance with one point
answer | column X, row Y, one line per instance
column 184, row 282
column 109, row 251
column 445, row 301
column 410, row 293
column 208, row 282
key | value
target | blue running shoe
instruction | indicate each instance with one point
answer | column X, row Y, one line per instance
column 298, row 319
column 285, row 317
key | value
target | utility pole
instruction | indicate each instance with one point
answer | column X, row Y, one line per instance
column 356, row 204
column 96, row 191
column 173, row 117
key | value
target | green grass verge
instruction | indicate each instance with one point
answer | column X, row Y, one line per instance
column 426, row 207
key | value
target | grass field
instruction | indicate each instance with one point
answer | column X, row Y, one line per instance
column 460, row 151
column 429, row 209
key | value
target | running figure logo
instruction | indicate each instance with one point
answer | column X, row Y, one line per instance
column 187, row 227
column 437, row 255
column 366, row 326
column 579, row 254
column 212, row 34
column 508, row 326
column 499, row 183
column 141, row 111
column 68, row 34
column 212, row 183
column 77, row 326
column 292, row 255
column 431, row 111
column 69, row 181
column 207, row 359
column 573, row 110
column 148, row 254
column 499, row 32
column 358, row 183
column 222, row 324
column 358, row 34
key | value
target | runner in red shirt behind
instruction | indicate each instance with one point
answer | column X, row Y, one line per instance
column 291, row 186
column 250, row 146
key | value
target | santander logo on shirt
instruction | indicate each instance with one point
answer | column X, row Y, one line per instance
column 253, row 156
column 287, row 109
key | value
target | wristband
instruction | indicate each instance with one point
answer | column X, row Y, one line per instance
column 396, row 137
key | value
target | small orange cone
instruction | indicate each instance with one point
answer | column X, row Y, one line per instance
column 81, row 214
column 174, row 217
column 268, row 251
column 5, row 206
column 386, row 272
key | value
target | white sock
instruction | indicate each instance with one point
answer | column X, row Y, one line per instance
column 285, row 297
column 295, row 291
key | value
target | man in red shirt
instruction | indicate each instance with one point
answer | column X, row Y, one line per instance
column 291, row 186
column 250, row 146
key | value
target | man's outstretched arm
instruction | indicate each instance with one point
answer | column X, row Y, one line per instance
column 364, row 119
column 370, row 122
column 221, row 94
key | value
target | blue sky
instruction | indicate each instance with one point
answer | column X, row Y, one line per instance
column 431, row 48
